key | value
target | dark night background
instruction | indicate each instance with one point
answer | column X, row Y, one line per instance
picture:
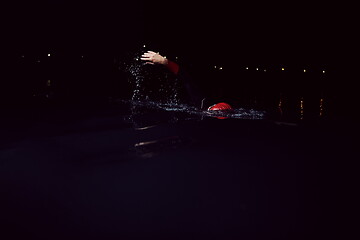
column 234, row 35
column 74, row 164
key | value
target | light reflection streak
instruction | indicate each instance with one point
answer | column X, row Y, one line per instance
column 302, row 108
column 321, row 107
column 145, row 128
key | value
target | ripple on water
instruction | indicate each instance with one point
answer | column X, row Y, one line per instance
column 239, row 113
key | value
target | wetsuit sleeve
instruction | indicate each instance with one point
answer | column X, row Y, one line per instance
column 173, row 67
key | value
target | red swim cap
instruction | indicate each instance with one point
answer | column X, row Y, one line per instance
column 220, row 107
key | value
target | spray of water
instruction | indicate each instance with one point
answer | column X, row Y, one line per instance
column 154, row 87
column 151, row 82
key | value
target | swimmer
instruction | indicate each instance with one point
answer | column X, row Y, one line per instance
column 153, row 58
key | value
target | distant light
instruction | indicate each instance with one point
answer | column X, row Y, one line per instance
column 264, row 70
column 324, row 71
column 304, row 70
column 215, row 67
column 48, row 83
column 220, row 68
column 176, row 58
column 38, row 61
column 247, row 68
column 49, row 54
column 257, row 69
column 282, row 69
column 144, row 46
column 82, row 56
column 22, row 56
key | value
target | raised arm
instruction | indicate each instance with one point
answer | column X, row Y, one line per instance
column 155, row 58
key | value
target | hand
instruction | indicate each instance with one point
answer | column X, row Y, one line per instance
column 154, row 58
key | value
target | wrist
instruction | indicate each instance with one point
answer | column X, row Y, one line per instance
column 165, row 61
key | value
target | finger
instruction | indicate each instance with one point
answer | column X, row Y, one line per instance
column 151, row 63
column 145, row 59
column 147, row 55
column 152, row 52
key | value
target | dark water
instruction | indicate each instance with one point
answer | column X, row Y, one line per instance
column 135, row 170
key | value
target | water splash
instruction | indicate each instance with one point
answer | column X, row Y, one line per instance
column 239, row 113
column 154, row 87
column 151, row 82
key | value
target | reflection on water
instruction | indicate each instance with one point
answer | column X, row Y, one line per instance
column 280, row 107
column 148, row 149
column 301, row 108
column 321, row 107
